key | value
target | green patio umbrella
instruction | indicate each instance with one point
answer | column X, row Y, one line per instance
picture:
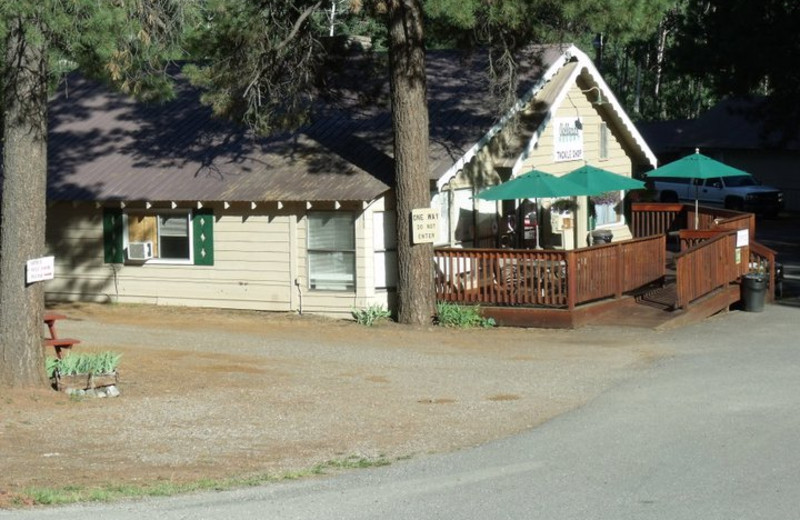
column 696, row 166
column 596, row 180
column 534, row 184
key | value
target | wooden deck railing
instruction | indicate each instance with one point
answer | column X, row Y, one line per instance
column 707, row 266
column 649, row 218
column 762, row 257
column 501, row 276
column 714, row 218
column 691, row 237
column 548, row 278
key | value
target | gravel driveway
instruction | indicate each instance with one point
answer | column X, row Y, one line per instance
column 210, row 394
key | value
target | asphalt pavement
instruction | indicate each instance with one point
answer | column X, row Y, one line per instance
column 782, row 234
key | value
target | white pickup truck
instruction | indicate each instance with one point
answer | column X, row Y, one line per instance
column 740, row 192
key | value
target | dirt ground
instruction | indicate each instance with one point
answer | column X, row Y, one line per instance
column 208, row 394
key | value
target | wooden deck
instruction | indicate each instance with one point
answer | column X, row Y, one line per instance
column 654, row 312
column 635, row 283
column 657, row 310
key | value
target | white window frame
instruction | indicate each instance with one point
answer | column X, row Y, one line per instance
column 158, row 213
column 384, row 244
column 603, row 144
column 310, row 251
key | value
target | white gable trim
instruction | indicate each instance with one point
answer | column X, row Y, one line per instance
column 519, row 105
column 546, row 119
column 584, row 62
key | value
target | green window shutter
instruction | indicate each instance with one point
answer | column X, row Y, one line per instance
column 203, row 236
column 113, row 231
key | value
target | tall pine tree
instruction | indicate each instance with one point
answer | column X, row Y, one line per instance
column 125, row 42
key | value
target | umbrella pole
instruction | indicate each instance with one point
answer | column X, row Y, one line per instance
column 696, row 207
column 538, row 223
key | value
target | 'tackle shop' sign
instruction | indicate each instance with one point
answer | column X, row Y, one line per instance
column 568, row 139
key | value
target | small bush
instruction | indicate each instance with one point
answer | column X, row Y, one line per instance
column 461, row 316
column 88, row 363
column 371, row 315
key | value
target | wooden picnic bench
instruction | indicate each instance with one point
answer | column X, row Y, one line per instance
column 59, row 344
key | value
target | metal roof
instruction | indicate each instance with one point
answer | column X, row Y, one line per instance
column 106, row 146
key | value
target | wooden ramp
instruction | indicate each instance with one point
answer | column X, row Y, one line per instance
column 655, row 309
column 661, row 298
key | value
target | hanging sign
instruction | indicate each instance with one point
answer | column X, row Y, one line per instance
column 568, row 139
column 424, row 225
column 40, row 269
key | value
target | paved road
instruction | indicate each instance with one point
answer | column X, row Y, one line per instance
column 783, row 235
column 708, row 433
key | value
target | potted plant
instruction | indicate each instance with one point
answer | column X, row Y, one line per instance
column 564, row 206
column 561, row 211
column 91, row 374
column 607, row 198
column 604, row 206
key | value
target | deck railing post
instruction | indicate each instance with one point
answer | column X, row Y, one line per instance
column 572, row 280
column 620, row 274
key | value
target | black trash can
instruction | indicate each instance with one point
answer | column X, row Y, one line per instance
column 754, row 292
column 601, row 236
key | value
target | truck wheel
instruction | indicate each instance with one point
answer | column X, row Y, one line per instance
column 734, row 203
column 669, row 196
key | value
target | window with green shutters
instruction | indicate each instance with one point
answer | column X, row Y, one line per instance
column 174, row 236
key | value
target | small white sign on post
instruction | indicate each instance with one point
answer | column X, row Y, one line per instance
column 40, row 269
column 742, row 237
column 424, row 225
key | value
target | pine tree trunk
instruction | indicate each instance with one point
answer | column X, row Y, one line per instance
column 23, row 205
column 660, row 53
column 410, row 125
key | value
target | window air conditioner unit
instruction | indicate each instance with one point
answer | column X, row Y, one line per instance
column 140, row 250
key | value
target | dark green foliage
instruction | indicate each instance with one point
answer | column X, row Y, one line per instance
column 461, row 316
column 741, row 48
column 371, row 315
column 83, row 363
column 124, row 42
column 258, row 60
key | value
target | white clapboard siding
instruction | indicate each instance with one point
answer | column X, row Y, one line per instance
column 251, row 265
column 257, row 259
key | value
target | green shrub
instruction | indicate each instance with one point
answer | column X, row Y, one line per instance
column 461, row 316
column 370, row 315
column 86, row 363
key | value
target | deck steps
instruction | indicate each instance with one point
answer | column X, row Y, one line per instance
column 662, row 298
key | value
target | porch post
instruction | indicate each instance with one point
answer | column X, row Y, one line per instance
column 571, row 280
column 620, row 271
